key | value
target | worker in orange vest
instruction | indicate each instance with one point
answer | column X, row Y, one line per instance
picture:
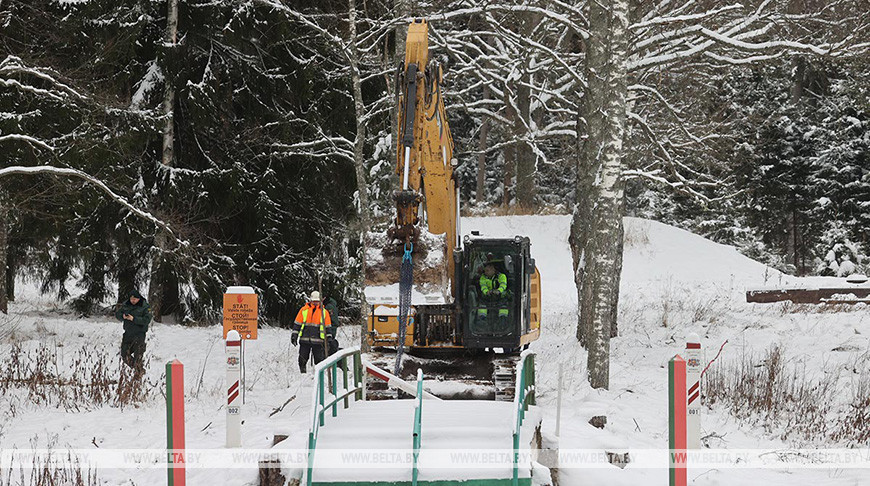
column 309, row 331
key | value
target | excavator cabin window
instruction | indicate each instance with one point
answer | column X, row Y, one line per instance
column 492, row 314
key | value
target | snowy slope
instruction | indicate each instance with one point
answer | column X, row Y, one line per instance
column 658, row 252
column 673, row 284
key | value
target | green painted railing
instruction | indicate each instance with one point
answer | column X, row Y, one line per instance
column 418, row 421
column 524, row 395
column 328, row 370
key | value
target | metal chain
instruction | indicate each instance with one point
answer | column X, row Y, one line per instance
column 406, row 283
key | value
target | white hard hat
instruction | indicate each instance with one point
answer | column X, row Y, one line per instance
column 315, row 296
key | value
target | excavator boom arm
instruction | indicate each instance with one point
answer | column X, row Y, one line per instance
column 424, row 149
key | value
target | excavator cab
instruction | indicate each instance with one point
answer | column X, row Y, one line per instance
column 498, row 313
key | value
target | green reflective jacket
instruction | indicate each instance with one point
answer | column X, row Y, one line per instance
column 498, row 282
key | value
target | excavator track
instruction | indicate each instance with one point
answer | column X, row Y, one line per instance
column 504, row 374
column 484, row 377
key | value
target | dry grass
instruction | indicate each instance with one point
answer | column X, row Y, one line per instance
column 785, row 402
column 86, row 379
column 681, row 305
column 708, row 308
column 767, row 394
column 636, row 235
column 854, row 427
column 51, row 469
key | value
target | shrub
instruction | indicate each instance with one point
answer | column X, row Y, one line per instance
column 89, row 380
column 782, row 401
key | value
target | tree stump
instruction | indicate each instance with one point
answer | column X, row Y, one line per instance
column 270, row 473
column 598, row 421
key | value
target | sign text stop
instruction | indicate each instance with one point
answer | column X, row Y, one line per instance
column 240, row 312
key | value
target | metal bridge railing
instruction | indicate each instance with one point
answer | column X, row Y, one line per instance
column 334, row 370
column 323, row 399
column 418, row 423
column 524, row 396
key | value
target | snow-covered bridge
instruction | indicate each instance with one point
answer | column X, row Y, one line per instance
column 416, row 441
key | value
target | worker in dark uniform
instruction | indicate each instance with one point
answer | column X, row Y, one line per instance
column 309, row 329
column 135, row 313
column 493, row 287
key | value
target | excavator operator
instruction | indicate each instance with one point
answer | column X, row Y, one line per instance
column 493, row 287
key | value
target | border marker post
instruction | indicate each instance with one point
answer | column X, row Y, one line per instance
column 693, row 392
column 175, row 456
column 234, row 384
column 677, row 473
column 559, row 403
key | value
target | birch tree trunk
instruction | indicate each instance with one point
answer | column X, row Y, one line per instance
column 597, row 221
column 581, row 221
column 526, row 158
column 10, row 272
column 161, row 273
column 509, row 163
column 401, row 9
column 481, row 156
column 619, row 238
column 169, row 41
column 509, row 152
column 4, row 293
column 360, row 169
column 526, row 163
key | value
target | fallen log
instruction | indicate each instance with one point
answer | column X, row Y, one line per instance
column 833, row 295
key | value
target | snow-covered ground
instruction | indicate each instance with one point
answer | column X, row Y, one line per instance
column 674, row 283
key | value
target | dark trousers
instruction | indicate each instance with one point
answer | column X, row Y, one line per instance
column 310, row 348
column 133, row 350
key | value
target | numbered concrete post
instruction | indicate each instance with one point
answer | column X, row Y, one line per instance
column 693, row 391
column 677, row 421
column 559, row 402
column 234, row 384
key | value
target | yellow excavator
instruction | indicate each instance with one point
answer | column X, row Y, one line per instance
column 475, row 333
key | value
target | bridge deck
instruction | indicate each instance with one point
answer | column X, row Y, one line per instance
column 461, row 440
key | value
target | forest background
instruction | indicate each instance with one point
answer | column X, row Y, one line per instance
column 259, row 134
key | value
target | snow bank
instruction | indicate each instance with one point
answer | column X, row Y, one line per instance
column 674, row 283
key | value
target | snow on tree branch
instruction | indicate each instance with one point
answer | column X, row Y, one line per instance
column 13, row 65
column 66, row 172
column 27, row 139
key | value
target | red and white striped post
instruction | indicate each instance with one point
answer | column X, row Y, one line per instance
column 693, row 382
column 176, row 460
column 234, row 384
column 677, row 421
